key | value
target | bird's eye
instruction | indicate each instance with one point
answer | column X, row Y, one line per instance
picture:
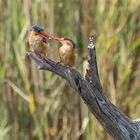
column 38, row 31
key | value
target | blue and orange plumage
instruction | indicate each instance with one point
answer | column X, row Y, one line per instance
column 37, row 42
column 66, row 51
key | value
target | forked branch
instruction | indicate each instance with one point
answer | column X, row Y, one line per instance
column 116, row 123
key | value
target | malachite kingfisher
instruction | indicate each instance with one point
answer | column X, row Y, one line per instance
column 38, row 42
column 67, row 52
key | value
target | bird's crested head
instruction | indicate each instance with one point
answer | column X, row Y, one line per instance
column 36, row 29
column 69, row 40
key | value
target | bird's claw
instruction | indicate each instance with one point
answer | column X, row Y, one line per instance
column 58, row 62
column 44, row 58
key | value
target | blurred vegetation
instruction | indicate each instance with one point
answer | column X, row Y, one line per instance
column 37, row 105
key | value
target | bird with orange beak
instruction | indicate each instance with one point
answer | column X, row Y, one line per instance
column 67, row 51
column 38, row 42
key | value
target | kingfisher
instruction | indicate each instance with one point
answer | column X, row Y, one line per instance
column 38, row 42
column 67, row 51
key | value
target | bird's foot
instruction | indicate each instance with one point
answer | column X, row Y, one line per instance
column 44, row 58
column 57, row 62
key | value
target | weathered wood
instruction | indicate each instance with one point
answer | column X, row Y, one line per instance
column 116, row 123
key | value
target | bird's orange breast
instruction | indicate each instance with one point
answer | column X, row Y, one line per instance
column 37, row 44
column 67, row 55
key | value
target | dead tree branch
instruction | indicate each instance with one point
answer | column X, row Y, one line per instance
column 116, row 123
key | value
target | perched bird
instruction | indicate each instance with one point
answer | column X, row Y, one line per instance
column 38, row 42
column 66, row 51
